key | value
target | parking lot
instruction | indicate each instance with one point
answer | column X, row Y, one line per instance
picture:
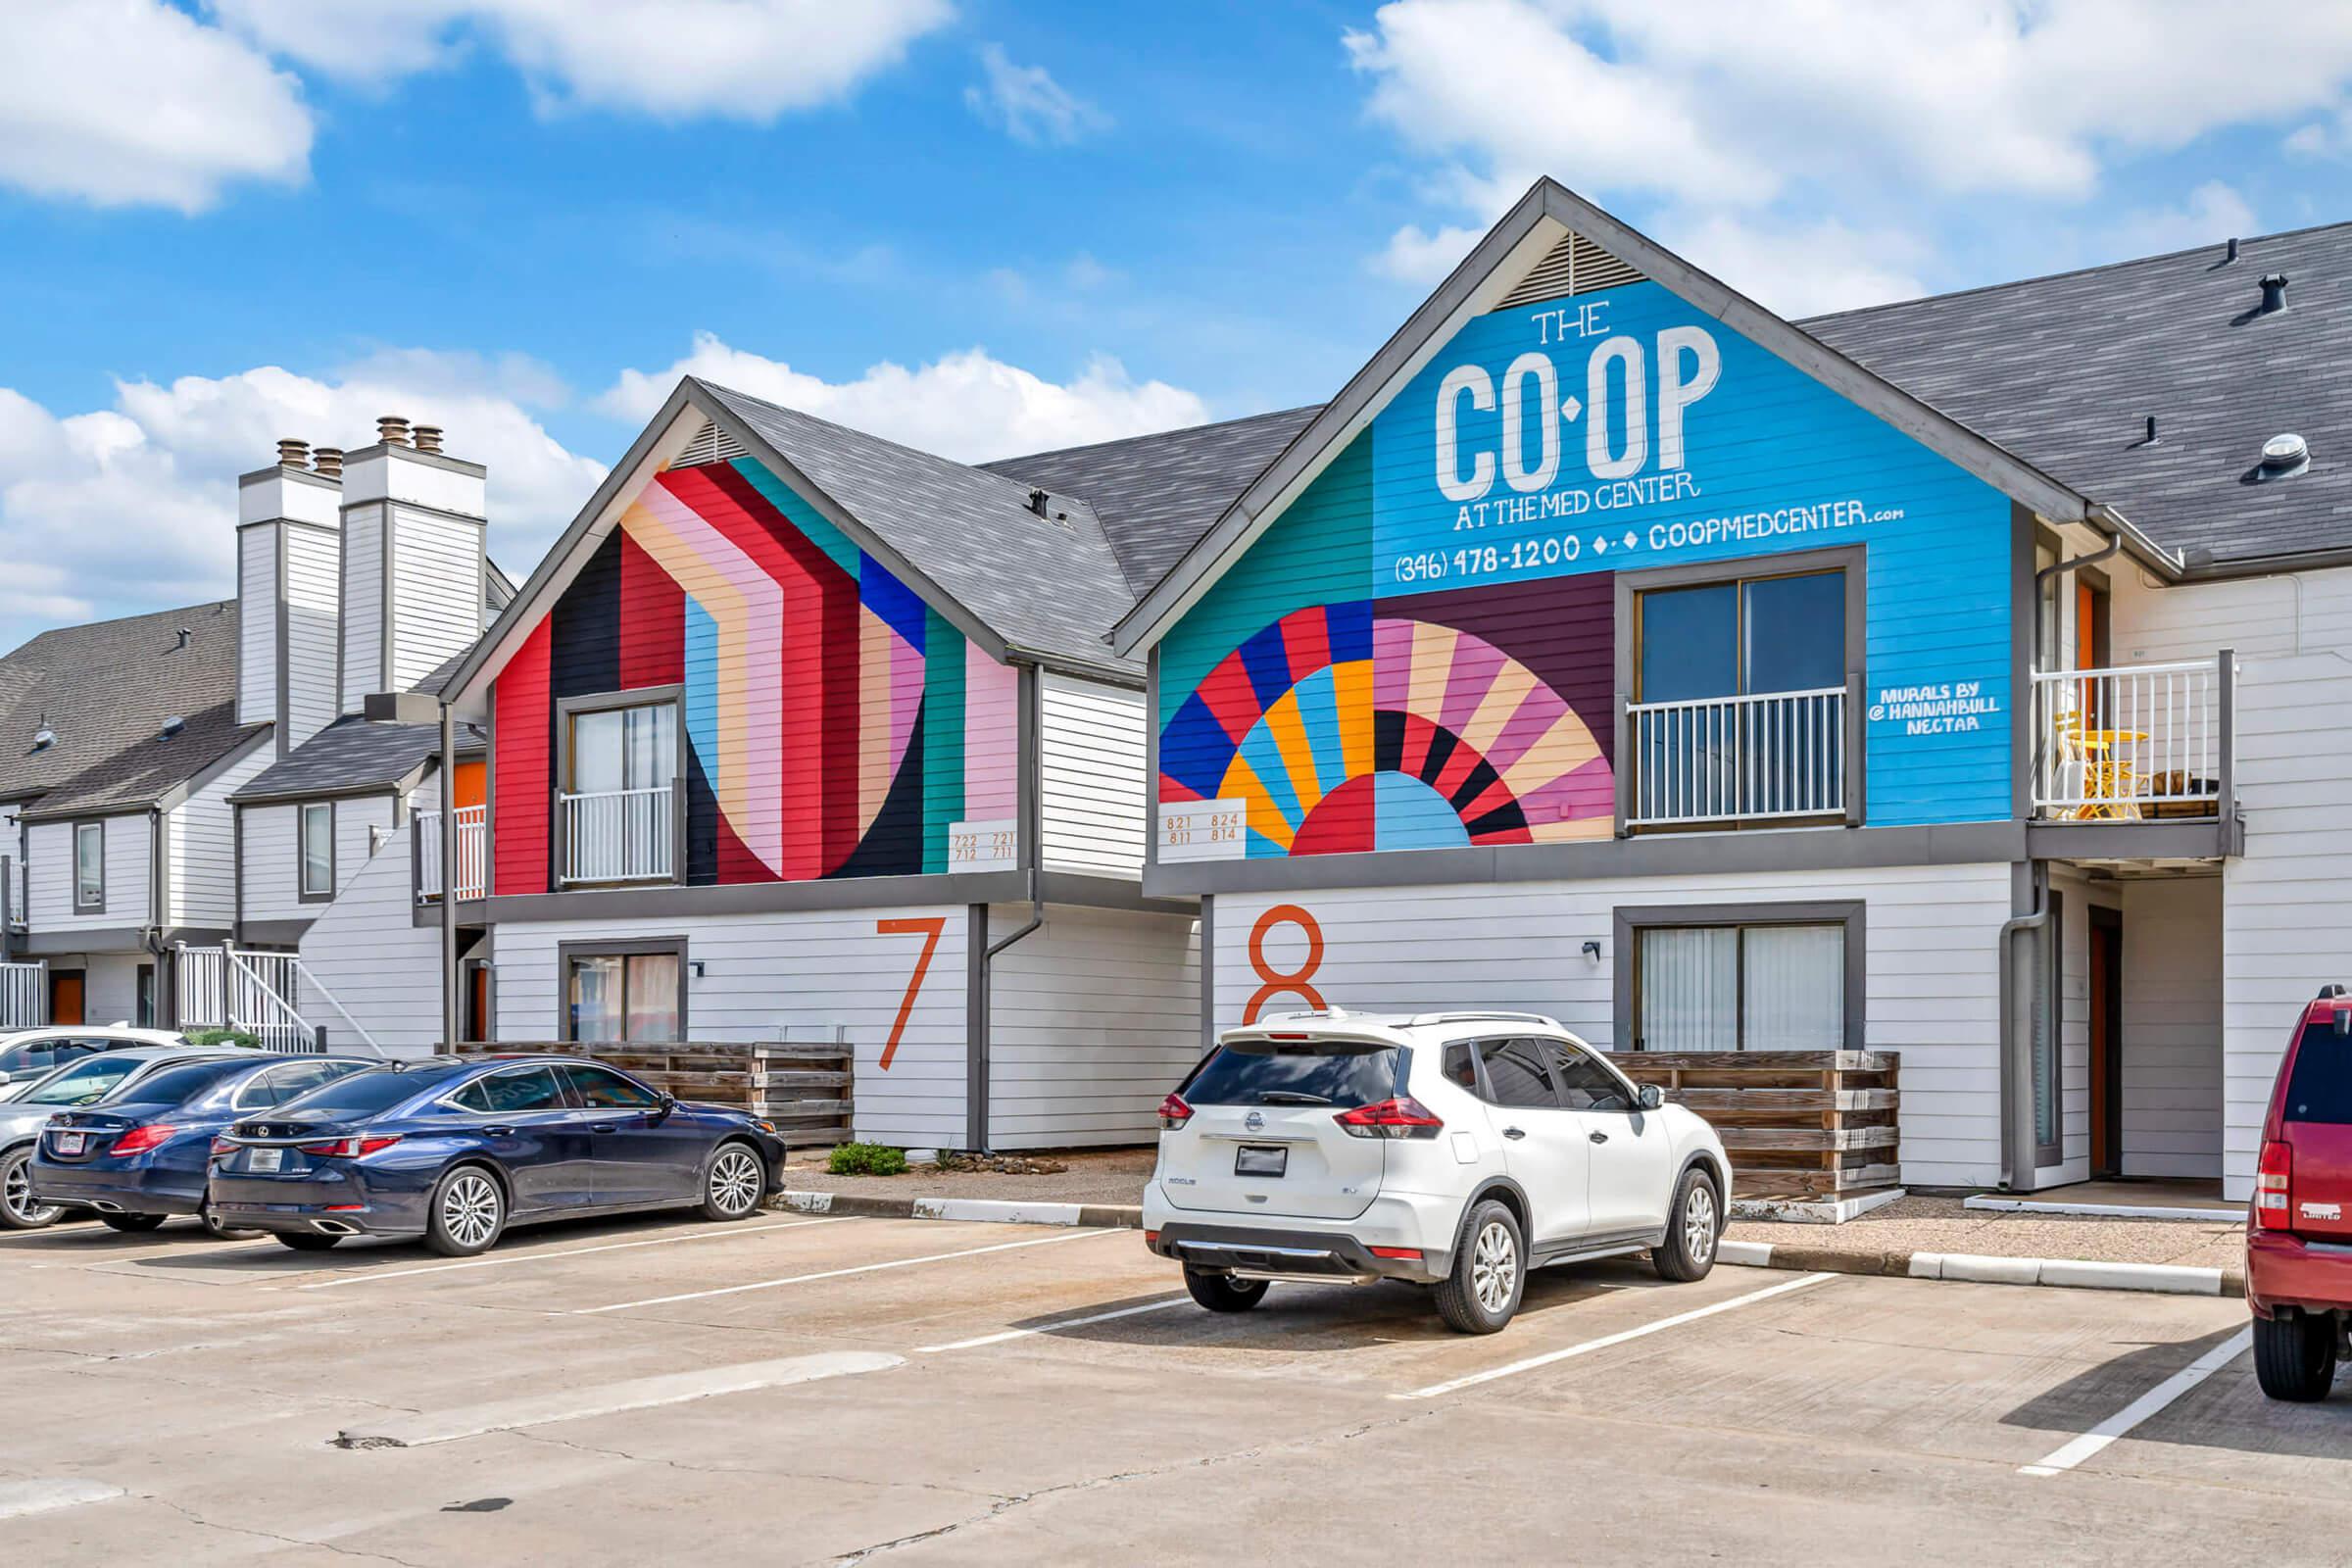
column 815, row 1389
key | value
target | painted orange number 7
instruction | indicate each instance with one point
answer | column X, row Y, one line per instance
column 929, row 930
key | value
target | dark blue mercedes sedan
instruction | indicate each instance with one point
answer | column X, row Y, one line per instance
column 140, row 1155
column 455, row 1152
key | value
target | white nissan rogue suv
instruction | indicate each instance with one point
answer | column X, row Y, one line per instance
column 1452, row 1150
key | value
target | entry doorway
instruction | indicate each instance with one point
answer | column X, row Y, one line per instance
column 2106, row 986
column 66, row 997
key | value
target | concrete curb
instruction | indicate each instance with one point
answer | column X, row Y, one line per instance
column 994, row 1210
column 2081, row 1274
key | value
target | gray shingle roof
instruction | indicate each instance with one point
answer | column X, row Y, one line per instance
column 1042, row 586
column 105, row 690
column 353, row 754
column 2065, row 370
column 1155, row 494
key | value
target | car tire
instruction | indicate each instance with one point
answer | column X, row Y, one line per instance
column 468, row 1212
column 1222, row 1292
column 2295, row 1357
column 1694, row 1230
column 734, row 1183
column 1481, row 1293
column 307, row 1241
column 218, row 1231
column 131, row 1224
column 18, row 1211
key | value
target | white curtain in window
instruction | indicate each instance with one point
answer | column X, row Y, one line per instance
column 1795, row 978
column 1691, row 988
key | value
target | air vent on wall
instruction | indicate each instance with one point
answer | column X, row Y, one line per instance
column 1575, row 266
column 711, row 445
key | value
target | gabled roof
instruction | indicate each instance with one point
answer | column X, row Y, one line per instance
column 104, row 691
column 1155, row 494
column 2065, row 371
column 350, row 756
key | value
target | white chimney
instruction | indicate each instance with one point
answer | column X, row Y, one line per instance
column 414, row 561
column 290, row 561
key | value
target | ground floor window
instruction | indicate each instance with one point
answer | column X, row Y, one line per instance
column 1750, row 978
column 633, row 993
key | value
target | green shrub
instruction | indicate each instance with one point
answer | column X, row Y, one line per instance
column 868, row 1159
column 222, row 1037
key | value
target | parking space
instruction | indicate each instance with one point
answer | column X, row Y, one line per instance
column 815, row 1389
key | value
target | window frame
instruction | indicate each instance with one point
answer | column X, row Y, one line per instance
column 569, row 708
column 1851, row 560
column 1630, row 921
column 302, row 858
column 74, row 865
column 448, row 1101
column 624, row 947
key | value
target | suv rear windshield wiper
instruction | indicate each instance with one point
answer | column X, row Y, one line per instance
column 1290, row 1096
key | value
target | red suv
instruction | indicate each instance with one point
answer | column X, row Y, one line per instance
column 2299, row 1232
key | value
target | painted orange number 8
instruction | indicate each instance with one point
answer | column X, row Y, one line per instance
column 1299, row 982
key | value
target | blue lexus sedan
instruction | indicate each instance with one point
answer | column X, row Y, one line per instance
column 455, row 1152
column 141, row 1155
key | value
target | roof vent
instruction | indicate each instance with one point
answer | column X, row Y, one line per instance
column 428, row 438
column 2273, row 294
column 184, row 635
column 710, row 445
column 392, row 429
column 2283, row 456
column 1037, row 502
column 43, row 738
column 172, row 726
column 328, row 462
column 2230, row 255
column 2151, row 439
column 293, row 452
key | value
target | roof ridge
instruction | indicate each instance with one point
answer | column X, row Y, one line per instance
column 2067, row 272
column 862, row 435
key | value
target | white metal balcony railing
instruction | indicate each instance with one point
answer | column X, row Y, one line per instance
column 474, row 852
column 258, row 994
column 23, row 995
column 1759, row 758
column 2129, row 744
column 616, row 835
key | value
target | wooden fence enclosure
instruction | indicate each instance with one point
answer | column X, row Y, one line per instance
column 806, row 1088
column 1796, row 1124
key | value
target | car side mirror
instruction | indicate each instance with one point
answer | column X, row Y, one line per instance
column 1650, row 1097
column 669, row 1102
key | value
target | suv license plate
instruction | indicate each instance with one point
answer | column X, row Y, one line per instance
column 1251, row 1159
column 264, row 1160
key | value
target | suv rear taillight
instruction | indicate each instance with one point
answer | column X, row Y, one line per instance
column 2273, row 1187
column 349, row 1147
column 139, row 1140
column 1173, row 1113
column 1401, row 1117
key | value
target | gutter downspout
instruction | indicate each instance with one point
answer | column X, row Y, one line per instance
column 1031, row 727
column 2017, row 1140
column 451, row 1011
column 151, row 938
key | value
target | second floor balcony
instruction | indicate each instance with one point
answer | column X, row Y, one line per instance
column 474, row 852
column 2135, row 744
column 611, row 837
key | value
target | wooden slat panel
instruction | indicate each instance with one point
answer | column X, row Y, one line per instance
column 1805, row 1139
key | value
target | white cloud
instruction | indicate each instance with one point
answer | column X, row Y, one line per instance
column 1802, row 269
column 132, row 506
column 963, row 404
column 751, row 59
column 1027, row 104
column 1416, row 256
column 2213, row 213
column 132, row 103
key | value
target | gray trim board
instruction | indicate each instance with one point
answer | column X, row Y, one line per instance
column 667, row 902
column 1209, row 970
column 1628, row 921
column 2183, row 839
column 272, row 933
column 975, row 1027
column 302, row 858
column 1085, row 890
column 282, row 725
column 565, row 951
column 89, row 939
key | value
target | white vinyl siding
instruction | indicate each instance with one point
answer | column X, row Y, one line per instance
column 312, row 626
column 49, row 852
column 363, row 607
column 1091, row 739
column 272, row 863
column 200, row 845
column 256, row 623
column 1096, row 1017
column 803, row 973
column 367, row 950
column 1932, row 985
column 436, row 591
column 2172, row 1087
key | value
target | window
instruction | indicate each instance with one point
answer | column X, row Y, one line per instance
column 1517, row 1075
column 85, row 1083
column 602, row 1089
column 1740, row 977
column 34, row 1055
column 370, row 1091
column 291, row 1081
column 504, row 1093
column 623, row 993
column 1303, row 1072
column 1585, row 1084
column 1747, row 636
column 2320, row 1089
column 176, row 1085
column 316, row 829
column 89, row 867
column 633, row 748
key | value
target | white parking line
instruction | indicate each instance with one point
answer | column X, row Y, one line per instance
column 833, row 1273
column 572, row 1252
column 1607, row 1340
column 1160, row 1305
column 20, row 1497
column 2119, row 1424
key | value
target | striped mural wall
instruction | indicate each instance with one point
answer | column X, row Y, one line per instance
column 835, row 724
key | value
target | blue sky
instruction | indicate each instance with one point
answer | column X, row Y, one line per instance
column 229, row 220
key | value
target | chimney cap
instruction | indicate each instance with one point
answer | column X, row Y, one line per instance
column 293, row 452
column 427, row 437
column 392, row 429
column 328, row 462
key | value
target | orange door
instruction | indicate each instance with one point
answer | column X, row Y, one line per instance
column 469, row 786
column 65, row 996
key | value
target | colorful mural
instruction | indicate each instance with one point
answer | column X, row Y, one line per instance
column 1422, row 649
column 834, row 723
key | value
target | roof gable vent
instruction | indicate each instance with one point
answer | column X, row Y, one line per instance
column 710, row 445
column 1575, row 266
